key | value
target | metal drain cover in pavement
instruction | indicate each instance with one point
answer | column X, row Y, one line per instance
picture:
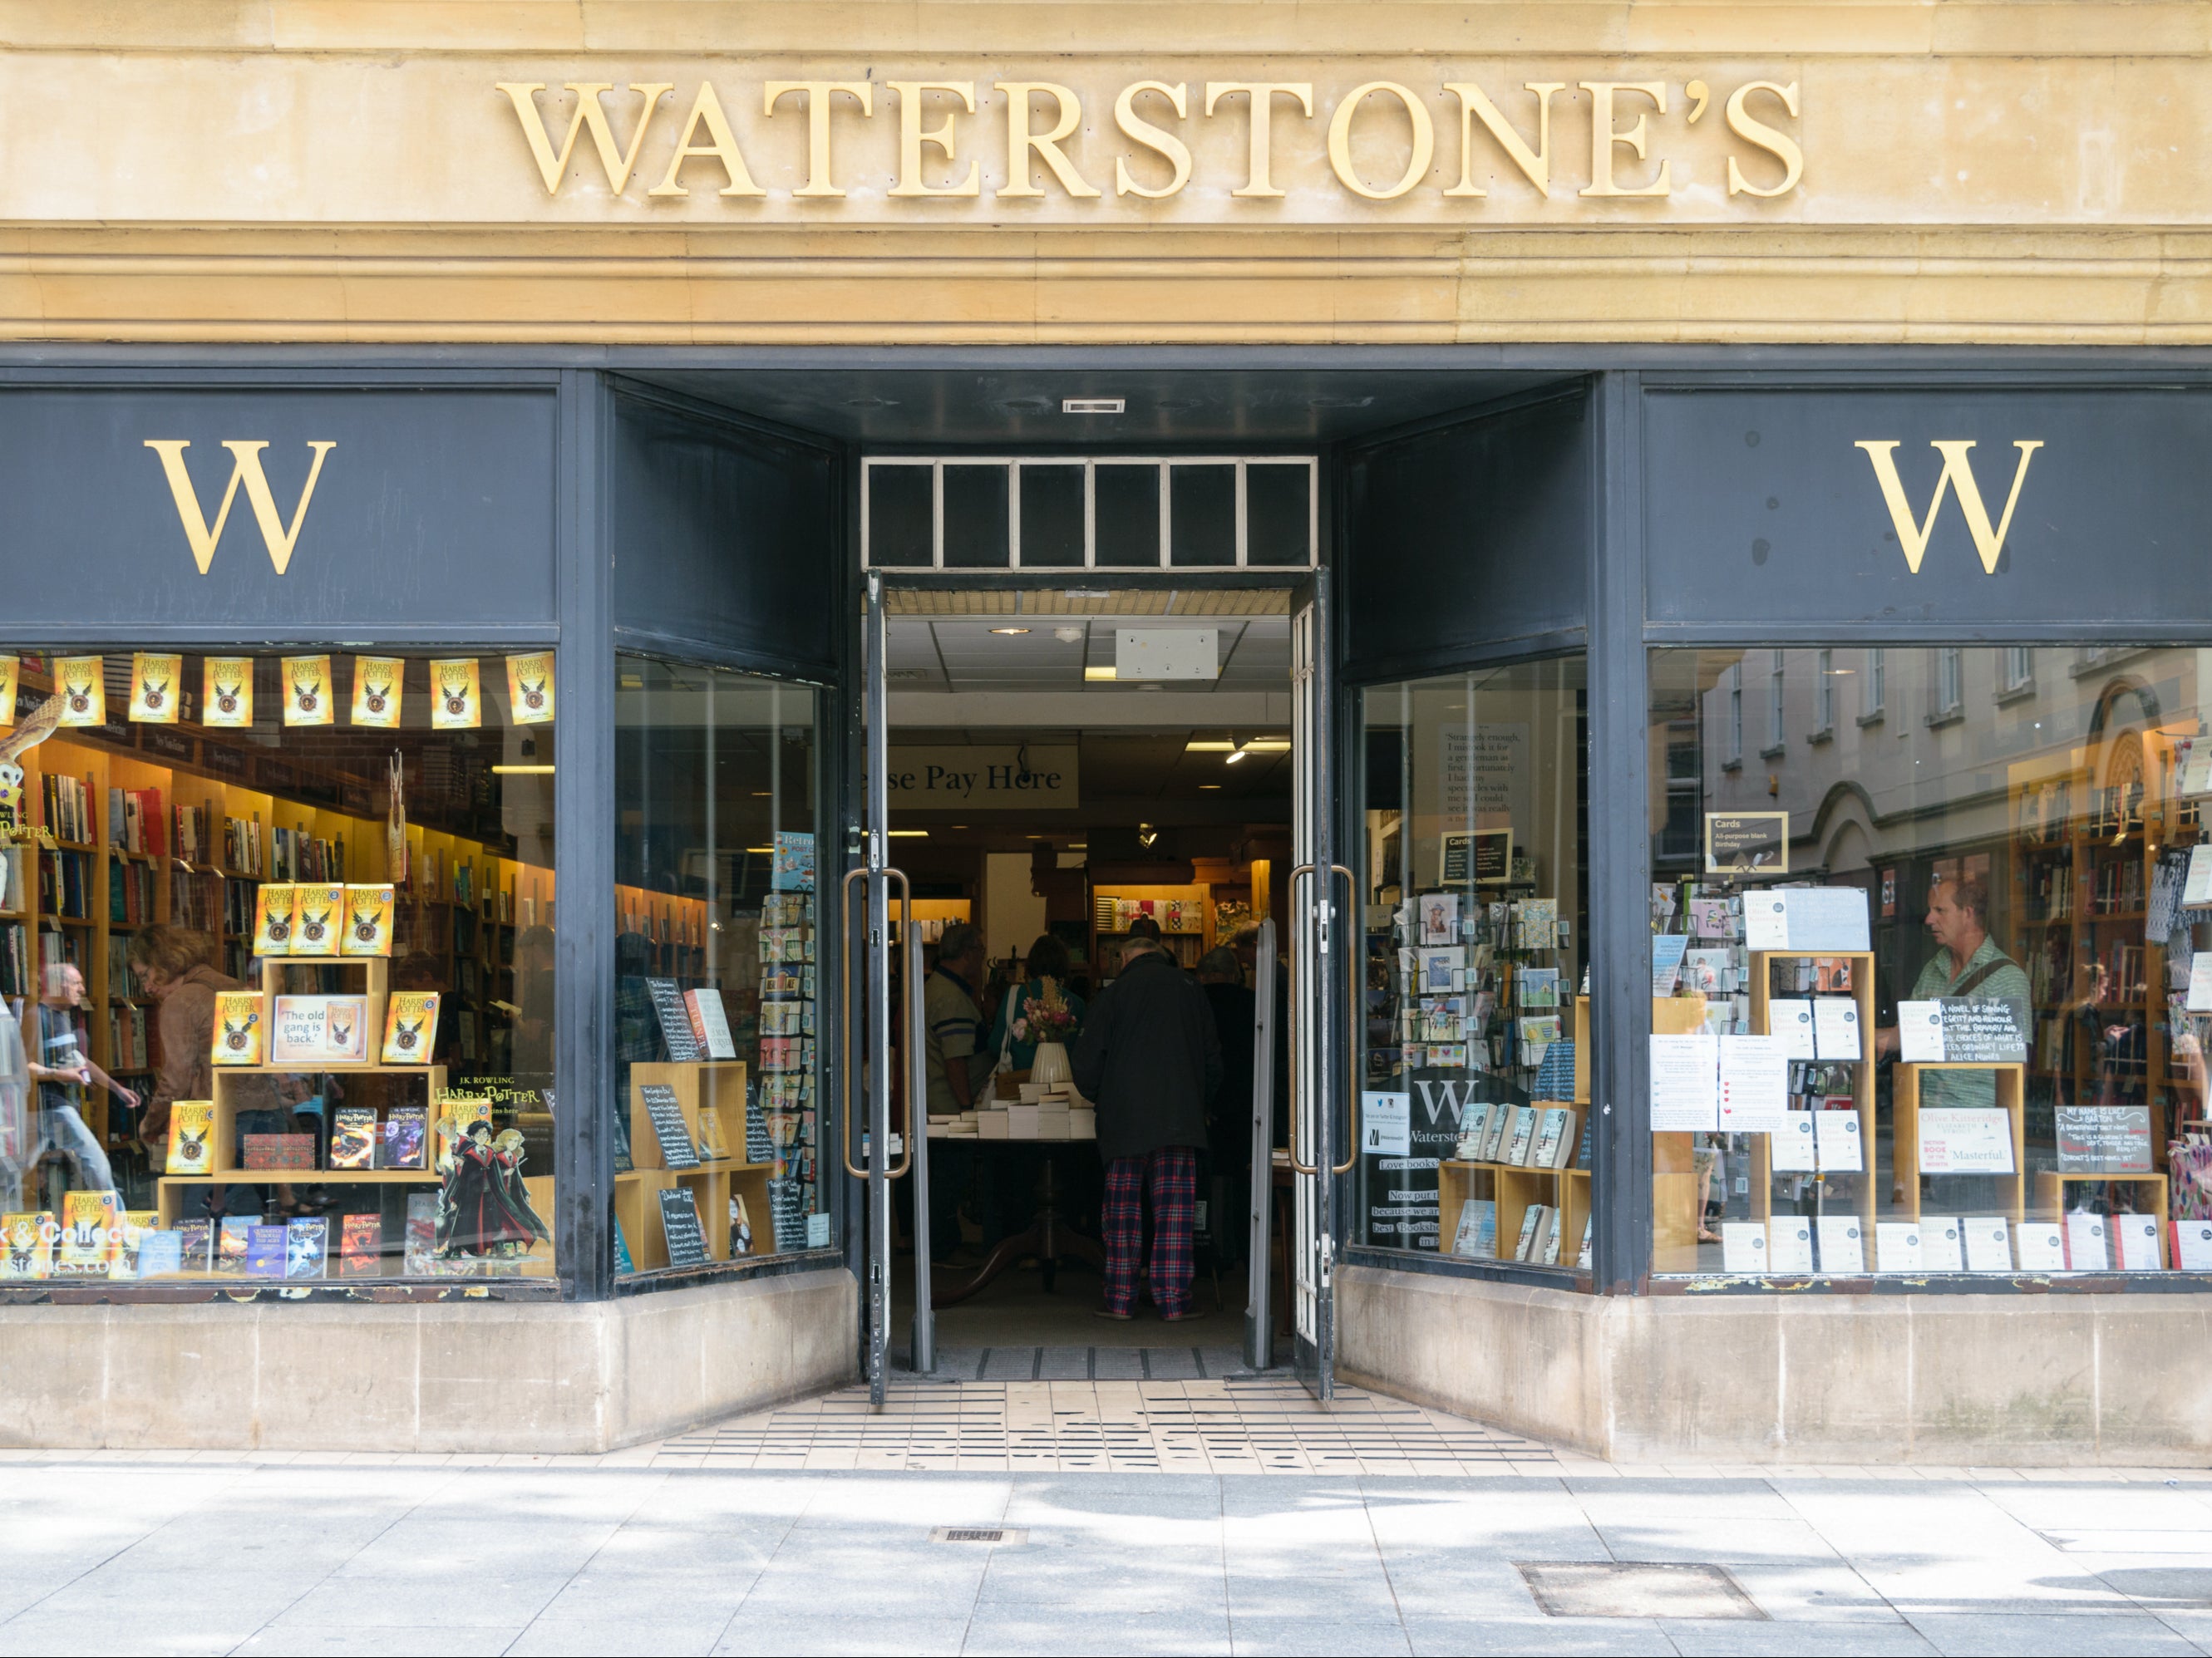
column 1006, row 1534
column 1629, row 1589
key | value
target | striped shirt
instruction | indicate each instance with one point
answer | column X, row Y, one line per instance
column 948, row 1008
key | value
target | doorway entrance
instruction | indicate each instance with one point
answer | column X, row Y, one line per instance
column 1053, row 772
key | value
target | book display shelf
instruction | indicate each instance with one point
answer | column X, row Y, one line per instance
column 1676, row 1199
column 709, row 1096
column 1185, row 914
column 1516, row 1188
column 1907, row 1084
column 1858, row 965
column 248, row 1088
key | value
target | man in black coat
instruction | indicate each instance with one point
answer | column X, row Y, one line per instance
column 1149, row 1060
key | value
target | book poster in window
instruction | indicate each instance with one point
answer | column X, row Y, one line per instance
column 10, row 673
column 154, row 678
column 83, row 683
column 456, row 693
column 307, row 694
column 227, row 691
column 529, row 688
column 377, row 682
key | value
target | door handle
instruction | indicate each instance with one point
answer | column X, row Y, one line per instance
column 1351, row 1029
column 913, row 1034
column 1300, row 871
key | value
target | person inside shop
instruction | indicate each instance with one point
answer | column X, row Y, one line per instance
column 957, row 1066
column 63, row 1072
column 1013, row 1040
column 1149, row 1059
column 175, row 967
column 1229, row 1119
column 1967, row 963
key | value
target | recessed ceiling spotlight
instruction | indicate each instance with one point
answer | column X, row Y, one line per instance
column 1092, row 405
column 1230, row 760
column 1207, row 745
column 1067, row 635
column 1009, row 631
column 1209, row 785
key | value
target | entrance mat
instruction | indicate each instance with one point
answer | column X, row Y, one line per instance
column 1634, row 1588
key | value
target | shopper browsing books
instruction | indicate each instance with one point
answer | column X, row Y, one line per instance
column 62, row 1072
column 1968, row 965
column 958, row 1066
column 1150, row 1060
column 1015, row 1031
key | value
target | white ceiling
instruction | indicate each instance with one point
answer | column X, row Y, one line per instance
column 961, row 655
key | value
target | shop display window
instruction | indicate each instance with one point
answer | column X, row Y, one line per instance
column 716, row 1106
column 277, row 931
column 1474, row 1106
column 1931, row 986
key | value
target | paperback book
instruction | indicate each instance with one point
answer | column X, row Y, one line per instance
column 319, row 918
column 369, row 921
column 353, row 1137
column 237, row 1027
column 410, row 1028
column 277, row 908
column 306, row 1243
column 361, row 1246
column 191, row 1124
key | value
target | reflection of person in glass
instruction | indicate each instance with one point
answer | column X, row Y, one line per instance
column 1967, row 965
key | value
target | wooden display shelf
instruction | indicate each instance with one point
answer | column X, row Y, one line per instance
column 701, row 1086
column 169, row 1190
column 1516, row 1187
column 1904, row 1146
column 1674, row 1208
column 1762, row 1148
column 2051, row 1187
column 637, row 1208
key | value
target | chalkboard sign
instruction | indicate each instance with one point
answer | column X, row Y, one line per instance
column 676, row 1148
column 675, row 1021
column 2103, row 1139
column 1983, row 1031
column 679, row 1225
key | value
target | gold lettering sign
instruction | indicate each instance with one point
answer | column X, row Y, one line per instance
column 1374, row 140
column 1958, row 474
column 277, row 536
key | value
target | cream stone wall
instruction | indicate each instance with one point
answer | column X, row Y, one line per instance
column 349, row 169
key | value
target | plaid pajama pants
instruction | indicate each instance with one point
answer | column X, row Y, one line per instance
column 1172, row 1175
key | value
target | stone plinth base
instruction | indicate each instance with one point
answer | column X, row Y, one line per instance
column 468, row 1375
column 2010, row 1380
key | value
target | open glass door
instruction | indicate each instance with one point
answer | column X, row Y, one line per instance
column 1322, row 922
column 866, row 915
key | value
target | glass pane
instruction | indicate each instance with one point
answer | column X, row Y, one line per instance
column 1202, row 515
column 1129, row 516
column 1278, row 514
column 715, row 991
column 1474, row 1108
column 899, row 516
column 1939, row 966
column 336, row 1033
column 1052, row 517
column 976, row 518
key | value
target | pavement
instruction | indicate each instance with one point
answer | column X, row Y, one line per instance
column 295, row 1553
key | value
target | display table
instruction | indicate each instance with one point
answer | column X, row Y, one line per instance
column 1049, row 1237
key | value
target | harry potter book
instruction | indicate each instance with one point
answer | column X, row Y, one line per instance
column 154, row 681
column 138, row 1225
column 237, row 1027
column 265, row 1250
column 308, row 696
column 26, row 1244
column 456, row 693
column 88, row 1242
column 83, row 683
column 377, row 682
column 194, row 1245
column 321, row 915
column 354, row 1137
column 369, row 921
column 403, row 1138
column 191, row 1122
column 411, row 1027
column 227, row 692
column 160, row 1254
column 714, row 1144
column 231, row 1240
column 306, row 1243
column 318, row 1030
column 529, row 688
column 361, row 1246
column 277, row 907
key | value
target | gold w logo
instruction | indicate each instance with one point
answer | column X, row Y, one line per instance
column 277, row 536
column 1959, row 474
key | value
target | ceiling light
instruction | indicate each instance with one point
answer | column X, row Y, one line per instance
column 762, row 794
column 1067, row 635
column 1268, row 745
column 1209, row 785
column 1232, row 759
column 1093, row 671
column 1009, row 631
column 765, row 851
column 1078, row 846
column 522, row 771
column 1092, row 405
column 1203, row 745
column 1146, row 835
column 908, row 835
